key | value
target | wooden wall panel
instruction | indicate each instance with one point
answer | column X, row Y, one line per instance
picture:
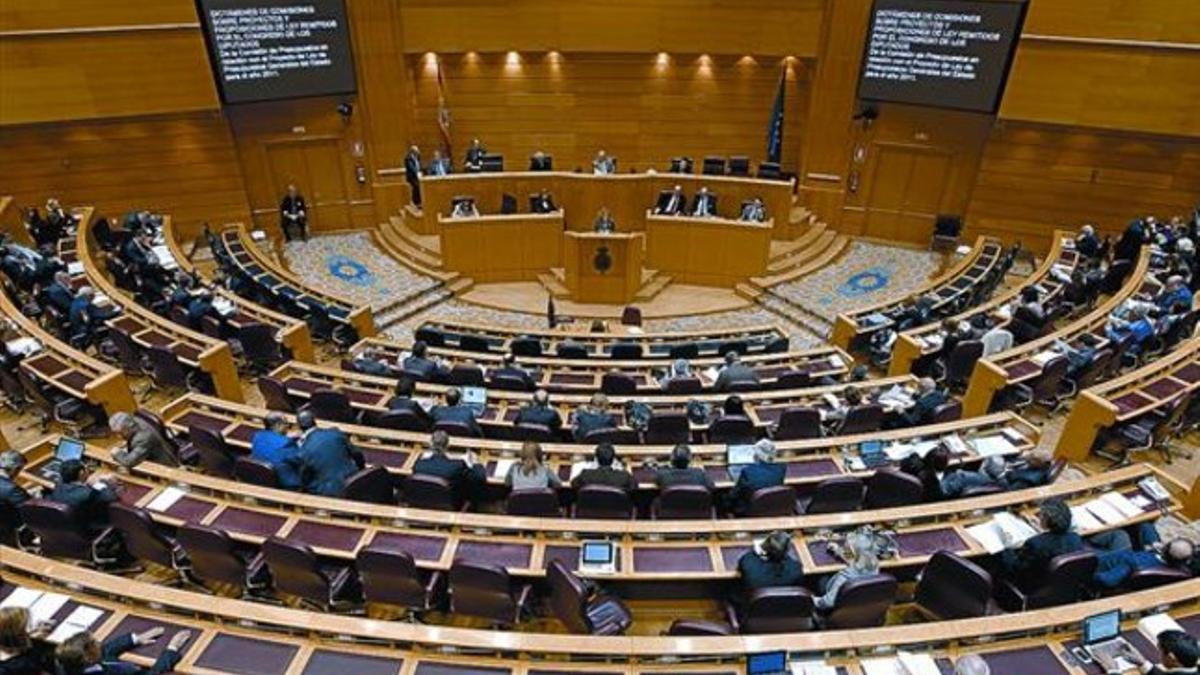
column 1151, row 20
column 18, row 15
column 181, row 164
column 1034, row 178
column 572, row 105
column 773, row 27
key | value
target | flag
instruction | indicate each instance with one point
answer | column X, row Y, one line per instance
column 775, row 128
column 443, row 113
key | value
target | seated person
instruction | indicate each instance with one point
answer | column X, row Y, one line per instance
column 464, row 208
column 1030, row 470
column 421, row 366
column 1113, row 568
column 671, row 203
column 734, row 371
column 995, row 340
column 971, row 664
column 1175, row 293
column 540, row 161
column 927, row 400
column 273, row 446
column 439, row 165
column 679, row 472
column 371, row 361
column 402, row 399
column 87, row 496
column 1031, row 302
column 733, row 406
column 852, row 397
column 753, row 210
column 771, row 565
column 539, row 411
column 604, row 165
column 929, row 470
column 12, row 495
column 82, row 654
column 593, row 416
column 681, row 369
column 453, row 410
column 1027, row 565
column 602, row 471
column 915, row 314
column 704, row 204
column 604, row 223
column 542, row 202
column 60, row 294
column 763, row 473
column 1087, row 243
column 531, row 473
column 85, row 318
column 143, row 441
column 19, row 269
column 954, row 332
column 509, row 368
column 861, row 561
column 466, row 476
column 327, row 458
column 23, row 646
column 1179, row 651
column 43, row 232
column 58, row 219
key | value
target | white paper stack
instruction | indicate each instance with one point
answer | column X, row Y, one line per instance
column 634, row 330
column 1122, row 504
column 992, row 446
column 882, row 666
column 21, row 597
column 47, row 606
column 812, row 668
column 1083, row 520
column 75, row 268
column 1104, row 511
column 164, row 257
column 989, row 534
column 917, row 664
column 955, row 444
column 1042, row 358
column 712, row 373
column 77, row 621
column 165, row 499
column 258, row 235
column 1151, row 626
column 899, row 451
column 837, row 361
column 23, row 346
column 503, row 466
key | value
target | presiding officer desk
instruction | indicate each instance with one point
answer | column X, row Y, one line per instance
column 581, row 195
column 510, row 247
column 708, row 251
column 660, row 553
column 229, row 634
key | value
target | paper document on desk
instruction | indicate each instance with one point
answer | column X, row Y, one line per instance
column 812, row 668
column 78, row 621
column 883, row 666
column 75, row 268
column 837, row 361
column 47, row 606
column 258, row 235
column 1084, row 521
column 1155, row 624
column 712, row 373
column 23, row 346
column 165, row 499
column 917, row 664
column 579, row 467
column 989, row 534
column 634, row 330
column 21, row 597
column 992, row 446
column 503, row 466
column 899, row 451
column 956, row 444
column 1122, row 504
column 1107, row 513
column 1042, row 358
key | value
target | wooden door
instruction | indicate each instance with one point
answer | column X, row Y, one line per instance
column 315, row 166
column 908, row 187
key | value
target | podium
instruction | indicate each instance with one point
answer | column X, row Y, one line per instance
column 603, row 268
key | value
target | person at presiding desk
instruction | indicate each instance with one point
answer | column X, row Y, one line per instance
column 671, row 203
column 412, row 172
column 542, row 202
column 87, row 496
column 539, row 411
column 274, row 447
column 593, row 416
column 604, row 223
column 142, row 442
column 473, row 161
column 1179, row 650
column 466, row 476
column 603, row 471
column 603, row 165
column 531, row 472
column 763, row 473
column 439, row 165
column 679, row 472
column 753, row 210
column 540, row 161
column 453, row 410
column 327, row 458
column 704, row 204
column 734, row 371
column 464, row 208
column 421, row 366
column 770, row 565
column 82, row 654
column 293, row 214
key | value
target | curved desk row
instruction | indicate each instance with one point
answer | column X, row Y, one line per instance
column 852, row 329
column 292, row 334
column 146, row 329
column 687, row 557
column 255, row 264
column 1023, row 363
column 914, row 344
column 289, row 641
column 585, row 375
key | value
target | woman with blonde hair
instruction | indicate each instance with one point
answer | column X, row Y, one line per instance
column 861, row 561
column 22, row 651
column 531, row 472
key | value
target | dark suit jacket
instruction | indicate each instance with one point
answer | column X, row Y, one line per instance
column 922, row 410
column 371, row 366
column 134, row 254
column 737, row 372
column 586, row 420
column 466, row 481
column 1088, row 245
column 704, row 205
column 327, row 458
column 60, row 296
column 293, row 205
column 754, row 477
column 90, row 505
column 540, row 414
column 39, row 658
column 544, row 163
column 604, row 476
column 456, row 413
column 669, row 476
column 1027, row 565
column 426, row 369
column 758, row 572
column 412, row 167
column 475, row 156
column 111, row 651
column 513, row 371
column 12, row 496
column 402, row 403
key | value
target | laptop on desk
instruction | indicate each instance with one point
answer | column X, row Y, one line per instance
column 1102, row 640
column 475, row 398
column 737, row 456
column 67, row 449
column 767, row 663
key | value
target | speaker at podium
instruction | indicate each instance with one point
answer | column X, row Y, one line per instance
column 603, row 267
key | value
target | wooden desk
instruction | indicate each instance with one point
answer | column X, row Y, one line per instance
column 707, row 251
column 516, row 247
column 581, row 196
column 915, row 343
column 603, row 268
column 992, row 374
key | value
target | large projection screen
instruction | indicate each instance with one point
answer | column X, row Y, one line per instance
column 266, row 50
column 940, row 53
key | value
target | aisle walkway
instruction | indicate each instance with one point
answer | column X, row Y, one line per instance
column 350, row 265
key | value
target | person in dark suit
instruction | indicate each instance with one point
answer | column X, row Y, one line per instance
column 671, row 204
column 82, row 654
column 734, row 371
column 58, row 221
column 680, row 471
column 604, row 165
column 603, row 472
column 293, row 214
column 60, row 294
column 540, row 161
column 440, row 165
column 454, row 411
column 18, row 271
column 143, row 441
column 604, row 223
column 763, row 473
column 402, row 399
column 41, row 231
column 543, row 203
column 326, row 457
column 704, row 204
column 1027, row 565
column 753, row 210
column 771, row 565
column 421, row 366
column 12, row 496
column 475, row 155
column 1129, row 246
column 1087, row 243
column 1179, row 651
column 370, row 361
column 412, row 172
column 88, row 500
column 509, row 368
column 593, row 416
column 466, row 476
column 79, row 317
column 928, row 398
column 539, row 411
column 273, row 446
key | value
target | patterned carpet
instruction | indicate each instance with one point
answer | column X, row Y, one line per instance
column 350, row 265
column 868, row 274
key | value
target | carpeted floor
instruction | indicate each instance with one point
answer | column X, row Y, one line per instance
column 351, row 266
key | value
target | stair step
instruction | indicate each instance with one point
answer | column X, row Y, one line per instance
column 428, row 243
column 748, row 291
column 831, row 253
column 800, row 257
column 655, row 285
column 395, row 234
column 783, row 249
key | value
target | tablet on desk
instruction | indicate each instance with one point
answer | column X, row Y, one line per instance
column 69, row 449
column 767, row 663
column 598, row 556
column 475, row 398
